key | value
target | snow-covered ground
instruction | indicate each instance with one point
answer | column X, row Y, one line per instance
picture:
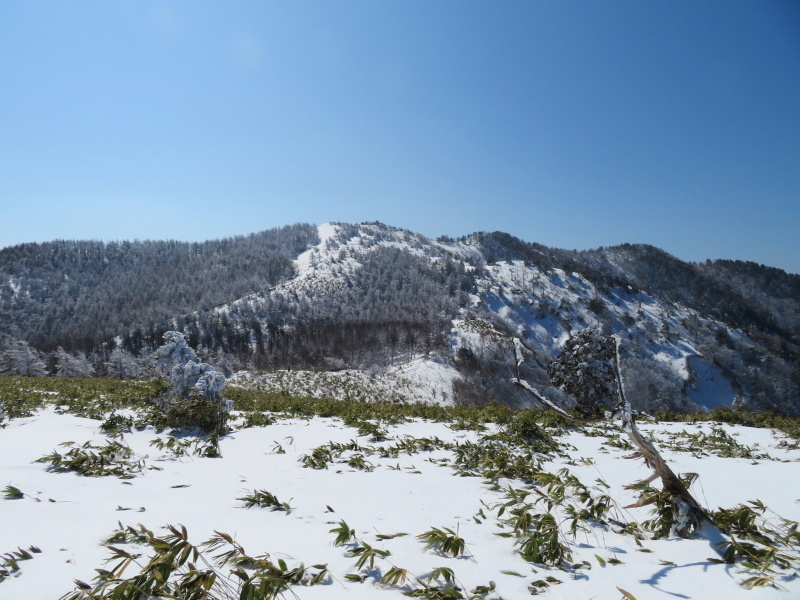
column 66, row 516
column 710, row 387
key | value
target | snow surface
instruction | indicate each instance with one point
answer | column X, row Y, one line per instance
column 710, row 388
column 66, row 515
column 325, row 232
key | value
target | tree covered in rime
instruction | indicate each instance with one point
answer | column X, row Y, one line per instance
column 187, row 375
column 196, row 379
column 210, row 385
column 175, row 351
column 585, row 369
column 122, row 365
column 68, row 365
column 18, row 358
column 195, row 394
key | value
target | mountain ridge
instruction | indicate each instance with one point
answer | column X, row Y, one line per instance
column 368, row 295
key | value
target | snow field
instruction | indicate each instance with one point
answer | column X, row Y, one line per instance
column 403, row 494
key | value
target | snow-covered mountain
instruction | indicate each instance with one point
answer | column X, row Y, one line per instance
column 675, row 356
column 372, row 298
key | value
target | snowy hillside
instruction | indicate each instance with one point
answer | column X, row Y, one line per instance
column 417, row 380
column 367, row 507
column 664, row 343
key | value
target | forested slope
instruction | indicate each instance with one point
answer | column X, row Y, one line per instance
column 80, row 294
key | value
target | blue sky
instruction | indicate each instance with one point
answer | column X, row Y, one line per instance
column 572, row 124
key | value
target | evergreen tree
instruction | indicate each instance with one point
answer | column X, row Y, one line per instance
column 122, row 365
column 195, row 394
column 68, row 365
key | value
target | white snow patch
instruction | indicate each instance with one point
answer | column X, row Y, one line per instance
column 303, row 263
column 432, row 378
column 709, row 388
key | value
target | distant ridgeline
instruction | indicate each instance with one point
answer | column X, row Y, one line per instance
column 368, row 296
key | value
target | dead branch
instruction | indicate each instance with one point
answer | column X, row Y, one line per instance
column 689, row 516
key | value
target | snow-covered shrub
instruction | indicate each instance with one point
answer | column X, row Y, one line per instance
column 195, row 395
column 210, row 385
column 175, row 351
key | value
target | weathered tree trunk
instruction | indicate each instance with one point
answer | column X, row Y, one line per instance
column 688, row 513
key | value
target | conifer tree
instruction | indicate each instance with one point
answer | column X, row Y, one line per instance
column 122, row 365
column 195, row 394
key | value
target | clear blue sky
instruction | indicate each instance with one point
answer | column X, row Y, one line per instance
column 573, row 124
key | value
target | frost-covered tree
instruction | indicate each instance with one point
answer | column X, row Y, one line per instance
column 122, row 365
column 68, row 365
column 195, row 394
column 18, row 358
column 183, row 378
column 210, row 385
column 175, row 351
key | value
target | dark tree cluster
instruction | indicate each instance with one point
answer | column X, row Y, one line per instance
column 585, row 369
